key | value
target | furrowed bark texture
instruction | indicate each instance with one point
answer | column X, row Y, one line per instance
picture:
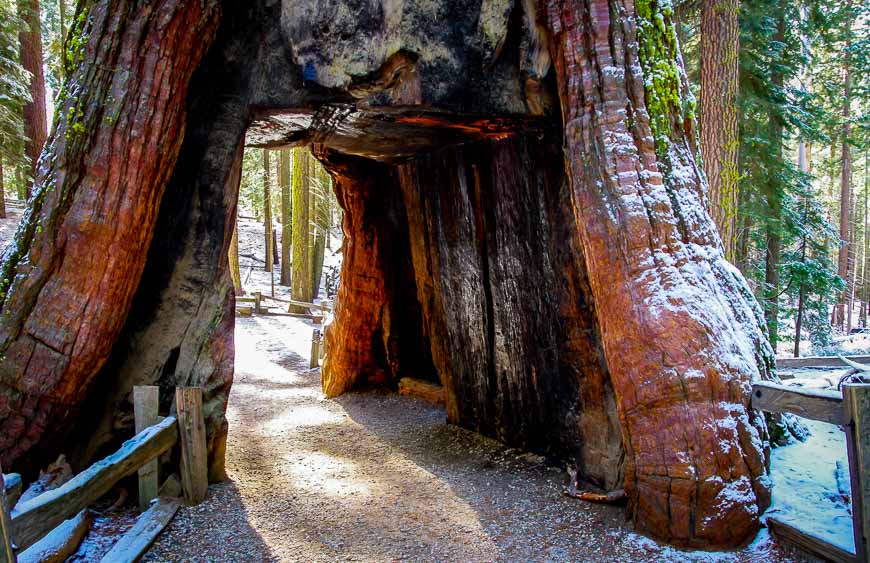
column 69, row 278
column 682, row 336
column 720, row 40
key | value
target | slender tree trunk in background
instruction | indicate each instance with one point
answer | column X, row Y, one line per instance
column 234, row 259
column 853, row 255
column 773, row 196
column 286, row 215
column 34, row 111
column 866, row 281
column 741, row 251
column 845, row 188
column 720, row 38
column 803, row 166
column 267, row 211
column 20, row 184
column 300, row 287
column 2, row 193
column 61, row 11
column 321, row 223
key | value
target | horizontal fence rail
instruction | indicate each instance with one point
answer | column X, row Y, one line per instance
column 851, row 410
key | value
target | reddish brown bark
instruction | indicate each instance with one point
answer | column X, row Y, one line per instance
column 35, row 122
column 680, row 331
column 70, row 276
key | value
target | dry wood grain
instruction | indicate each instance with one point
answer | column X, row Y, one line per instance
column 817, row 405
column 32, row 519
column 61, row 542
column 146, row 403
column 808, row 543
column 857, row 401
column 194, row 453
column 139, row 538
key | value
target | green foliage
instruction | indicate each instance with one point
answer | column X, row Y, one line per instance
column 14, row 93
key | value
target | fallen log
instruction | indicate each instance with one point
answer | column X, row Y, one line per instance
column 12, row 485
column 32, row 519
column 425, row 390
column 148, row 526
column 61, row 542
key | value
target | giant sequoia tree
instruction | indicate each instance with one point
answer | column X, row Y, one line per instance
column 579, row 305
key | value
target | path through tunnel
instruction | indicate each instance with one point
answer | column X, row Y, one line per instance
column 524, row 222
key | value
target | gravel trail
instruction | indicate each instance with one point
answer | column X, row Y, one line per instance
column 377, row 477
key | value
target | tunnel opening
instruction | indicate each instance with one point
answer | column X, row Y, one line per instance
column 560, row 270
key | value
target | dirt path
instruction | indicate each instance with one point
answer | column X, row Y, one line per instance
column 378, row 477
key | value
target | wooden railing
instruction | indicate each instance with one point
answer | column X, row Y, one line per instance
column 31, row 520
column 851, row 410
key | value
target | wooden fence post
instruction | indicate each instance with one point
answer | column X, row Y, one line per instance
column 7, row 553
column 146, row 402
column 856, row 399
column 191, row 432
column 315, row 349
column 258, row 298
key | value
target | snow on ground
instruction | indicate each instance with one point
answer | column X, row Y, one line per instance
column 811, row 479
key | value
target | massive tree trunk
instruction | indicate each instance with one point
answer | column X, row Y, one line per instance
column 68, row 281
column 669, row 306
column 35, row 122
column 574, row 301
column 720, row 37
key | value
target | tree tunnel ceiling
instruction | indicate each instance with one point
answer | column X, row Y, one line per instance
column 389, row 79
column 385, row 134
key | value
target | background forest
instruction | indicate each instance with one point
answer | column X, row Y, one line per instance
column 782, row 111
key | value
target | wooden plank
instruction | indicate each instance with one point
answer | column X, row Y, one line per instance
column 818, row 362
column 34, row 518
column 825, row 406
column 13, row 486
column 857, row 401
column 194, row 455
column 146, row 403
column 809, row 543
column 61, row 542
column 7, row 551
column 133, row 545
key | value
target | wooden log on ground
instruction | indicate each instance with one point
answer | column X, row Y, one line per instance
column 857, row 402
column 32, row 519
column 825, row 406
column 818, row 362
column 139, row 538
column 809, row 543
column 13, row 486
column 7, row 551
column 244, row 311
column 191, row 427
column 421, row 389
column 146, row 403
column 61, row 542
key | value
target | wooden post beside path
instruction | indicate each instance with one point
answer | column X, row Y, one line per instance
column 146, row 403
column 7, row 553
column 856, row 398
column 191, row 433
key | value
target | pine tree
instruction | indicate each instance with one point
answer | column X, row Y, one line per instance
column 286, row 215
column 35, row 123
column 301, row 288
column 14, row 94
column 718, row 114
column 267, row 211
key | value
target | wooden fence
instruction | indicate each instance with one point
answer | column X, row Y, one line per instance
column 851, row 410
column 30, row 521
